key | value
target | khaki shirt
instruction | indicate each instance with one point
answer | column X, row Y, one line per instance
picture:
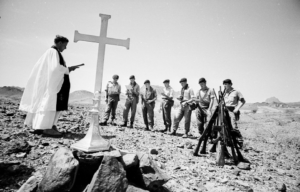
column 188, row 94
column 169, row 92
column 205, row 96
column 149, row 94
column 133, row 91
column 113, row 88
column 232, row 98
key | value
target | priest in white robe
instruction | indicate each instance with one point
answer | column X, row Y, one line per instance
column 47, row 91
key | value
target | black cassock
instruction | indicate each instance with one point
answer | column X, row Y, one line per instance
column 63, row 94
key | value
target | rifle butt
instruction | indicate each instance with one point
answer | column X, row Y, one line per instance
column 220, row 158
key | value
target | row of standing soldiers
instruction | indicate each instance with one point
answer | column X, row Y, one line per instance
column 202, row 102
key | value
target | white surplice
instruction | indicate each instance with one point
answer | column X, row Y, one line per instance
column 40, row 94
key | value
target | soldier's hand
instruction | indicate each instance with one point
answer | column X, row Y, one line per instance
column 235, row 111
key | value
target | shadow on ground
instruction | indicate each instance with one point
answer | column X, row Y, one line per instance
column 13, row 174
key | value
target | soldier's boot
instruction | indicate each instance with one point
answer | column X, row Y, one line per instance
column 124, row 124
column 147, row 128
column 165, row 130
column 152, row 128
column 186, row 135
column 131, row 125
column 173, row 132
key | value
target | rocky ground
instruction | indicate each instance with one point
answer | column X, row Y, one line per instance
column 272, row 145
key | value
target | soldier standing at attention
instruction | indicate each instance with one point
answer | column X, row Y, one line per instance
column 167, row 104
column 187, row 97
column 113, row 91
column 148, row 96
column 234, row 100
column 205, row 99
column 132, row 92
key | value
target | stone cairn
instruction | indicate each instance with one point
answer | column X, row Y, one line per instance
column 111, row 171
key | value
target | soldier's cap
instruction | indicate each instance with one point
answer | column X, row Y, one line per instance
column 183, row 80
column 227, row 81
column 202, row 80
column 166, row 81
column 115, row 77
column 147, row 81
column 132, row 77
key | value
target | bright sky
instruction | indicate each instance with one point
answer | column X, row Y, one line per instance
column 255, row 43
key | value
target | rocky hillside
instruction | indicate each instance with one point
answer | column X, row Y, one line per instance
column 271, row 141
column 81, row 97
column 11, row 91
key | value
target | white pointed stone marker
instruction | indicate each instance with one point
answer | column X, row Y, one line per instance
column 93, row 141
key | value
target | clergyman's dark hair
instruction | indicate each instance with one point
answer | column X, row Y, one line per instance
column 60, row 38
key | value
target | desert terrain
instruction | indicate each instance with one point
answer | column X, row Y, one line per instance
column 271, row 134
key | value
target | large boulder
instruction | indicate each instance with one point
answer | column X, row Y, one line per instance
column 147, row 175
column 61, row 172
column 30, row 185
column 110, row 177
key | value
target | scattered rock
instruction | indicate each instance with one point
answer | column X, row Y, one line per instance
column 9, row 113
column 130, row 160
column 244, row 166
column 30, row 185
column 110, row 177
column 236, row 172
column 21, row 155
column 281, row 187
column 61, row 172
column 4, row 137
column 153, row 151
column 18, row 146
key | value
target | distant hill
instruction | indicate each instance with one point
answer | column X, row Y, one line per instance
column 82, row 97
column 11, row 92
column 272, row 100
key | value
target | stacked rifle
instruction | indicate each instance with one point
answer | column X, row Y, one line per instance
column 219, row 130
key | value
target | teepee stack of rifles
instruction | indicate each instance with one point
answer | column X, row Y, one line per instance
column 219, row 130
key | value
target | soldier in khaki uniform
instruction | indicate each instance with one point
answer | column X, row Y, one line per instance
column 113, row 91
column 148, row 96
column 186, row 98
column 205, row 99
column 234, row 100
column 132, row 92
column 167, row 104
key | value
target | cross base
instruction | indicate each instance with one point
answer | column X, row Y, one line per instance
column 93, row 142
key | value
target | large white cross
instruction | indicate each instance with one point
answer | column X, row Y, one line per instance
column 102, row 40
column 93, row 141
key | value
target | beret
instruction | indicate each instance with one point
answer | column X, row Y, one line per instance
column 227, row 81
column 132, row 77
column 166, row 81
column 202, row 80
column 183, row 80
column 115, row 77
column 147, row 81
